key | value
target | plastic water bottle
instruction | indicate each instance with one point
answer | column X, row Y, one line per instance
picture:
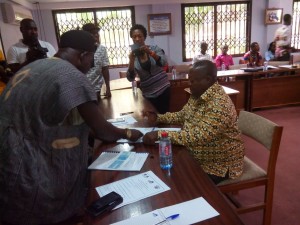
column 165, row 151
column 265, row 66
column 223, row 67
column 134, row 86
column 173, row 74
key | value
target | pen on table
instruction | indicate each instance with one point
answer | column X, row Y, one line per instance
column 172, row 217
column 126, row 113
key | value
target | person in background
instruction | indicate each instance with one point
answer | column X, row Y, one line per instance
column 253, row 57
column 209, row 125
column 283, row 39
column 99, row 71
column 270, row 54
column 147, row 61
column 203, row 55
column 28, row 49
column 44, row 137
column 224, row 58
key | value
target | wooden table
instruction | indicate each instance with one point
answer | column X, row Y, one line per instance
column 187, row 180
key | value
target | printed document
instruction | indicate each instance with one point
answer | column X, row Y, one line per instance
column 135, row 188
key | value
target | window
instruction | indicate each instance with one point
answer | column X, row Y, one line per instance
column 114, row 24
column 295, row 42
column 216, row 24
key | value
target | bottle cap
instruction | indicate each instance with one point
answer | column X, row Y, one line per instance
column 164, row 134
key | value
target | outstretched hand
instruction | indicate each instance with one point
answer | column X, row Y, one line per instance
column 135, row 135
column 150, row 138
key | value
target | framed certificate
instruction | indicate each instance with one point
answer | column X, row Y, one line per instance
column 159, row 24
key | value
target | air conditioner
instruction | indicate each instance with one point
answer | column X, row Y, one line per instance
column 12, row 14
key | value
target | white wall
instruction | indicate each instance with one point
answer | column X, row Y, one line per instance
column 172, row 44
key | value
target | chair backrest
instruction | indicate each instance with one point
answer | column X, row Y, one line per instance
column 263, row 131
column 296, row 58
column 123, row 74
column 278, row 63
column 241, row 61
column 182, row 68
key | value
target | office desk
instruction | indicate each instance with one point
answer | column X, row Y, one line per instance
column 187, row 180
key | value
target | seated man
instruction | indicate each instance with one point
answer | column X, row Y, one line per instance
column 224, row 58
column 209, row 125
column 203, row 55
column 253, row 58
column 47, row 111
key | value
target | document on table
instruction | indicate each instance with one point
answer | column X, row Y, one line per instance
column 135, row 188
column 145, row 130
column 190, row 212
column 121, row 161
column 121, row 121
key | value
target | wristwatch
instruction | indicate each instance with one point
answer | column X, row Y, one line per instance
column 128, row 133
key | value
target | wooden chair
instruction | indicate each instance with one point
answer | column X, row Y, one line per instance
column 182, row 68
column 123, row 74
column 295, row 59
column 268, row 134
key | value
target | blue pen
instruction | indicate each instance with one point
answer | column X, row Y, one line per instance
column 172, row 217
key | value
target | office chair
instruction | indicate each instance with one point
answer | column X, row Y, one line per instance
column 268, row 134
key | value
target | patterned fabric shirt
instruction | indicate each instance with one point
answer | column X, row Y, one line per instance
column 202, row 57
column 253, row 58
column 226, row 59
column 95, row 73
column 210, row 132
column 43, row 158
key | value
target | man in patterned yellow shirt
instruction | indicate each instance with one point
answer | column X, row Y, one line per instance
column 209, row 125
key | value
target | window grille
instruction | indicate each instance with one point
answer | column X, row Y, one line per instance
column 295, row 42
column 114, row 23
column 216, row 24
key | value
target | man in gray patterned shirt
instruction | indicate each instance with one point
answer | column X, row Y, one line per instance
column 99, row 73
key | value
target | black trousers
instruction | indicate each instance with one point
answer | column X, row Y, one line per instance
column 162, row 102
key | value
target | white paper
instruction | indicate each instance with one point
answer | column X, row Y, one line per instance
column 135, row 188
column 122, row 120
column 121, row 161
column 190, row 212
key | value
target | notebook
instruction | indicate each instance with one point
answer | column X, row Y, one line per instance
column 122, row 161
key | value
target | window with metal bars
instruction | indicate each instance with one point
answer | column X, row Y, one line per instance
column 295, row 41
column 114, row 23
column 217, row 24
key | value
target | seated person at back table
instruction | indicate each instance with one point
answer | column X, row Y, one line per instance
column 224, row 58
column 270, row 54
column 203, row 55
column 253, row 57
column 209, row 125
column 44, row 138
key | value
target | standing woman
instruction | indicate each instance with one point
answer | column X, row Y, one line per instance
column 147, row 62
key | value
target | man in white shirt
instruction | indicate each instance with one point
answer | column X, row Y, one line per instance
column 283, row 38
column 203, row 55
column 29, row 48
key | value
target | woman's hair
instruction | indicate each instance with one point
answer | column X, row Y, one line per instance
column 270, row 45
column 138, row 27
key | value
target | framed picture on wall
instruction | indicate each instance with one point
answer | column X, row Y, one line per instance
column 159, row 24
column 273, row 16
